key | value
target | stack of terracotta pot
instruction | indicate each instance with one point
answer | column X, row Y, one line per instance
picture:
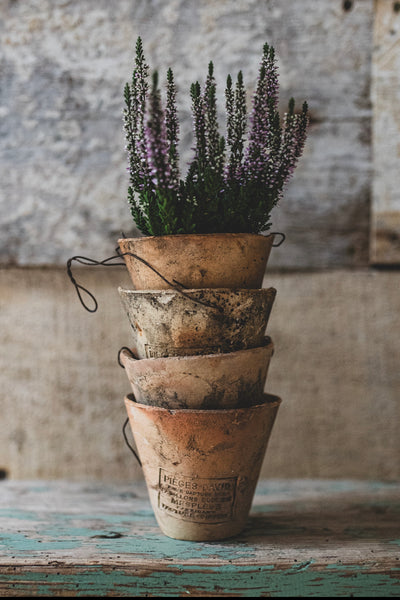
column 197, row 366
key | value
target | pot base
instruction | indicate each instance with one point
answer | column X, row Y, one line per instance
column 205, row 509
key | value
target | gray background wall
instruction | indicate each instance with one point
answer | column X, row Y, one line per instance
column 335, row 322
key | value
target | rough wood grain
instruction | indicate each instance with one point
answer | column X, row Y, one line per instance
column 385, row 210
column 304, row 538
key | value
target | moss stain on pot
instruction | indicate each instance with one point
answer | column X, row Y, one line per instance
column 225, row 320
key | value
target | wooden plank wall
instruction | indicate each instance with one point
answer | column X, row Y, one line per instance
column 63, row 167
column 385, row 209
column 62, row 159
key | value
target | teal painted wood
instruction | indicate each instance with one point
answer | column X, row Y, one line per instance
column 303, row 538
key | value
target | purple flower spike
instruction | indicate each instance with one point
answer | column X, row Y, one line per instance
column 232, row 183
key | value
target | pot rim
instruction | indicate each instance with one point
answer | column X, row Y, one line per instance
column 162, row 292
column 267, row 344
column 271, row 399
column 146, row 238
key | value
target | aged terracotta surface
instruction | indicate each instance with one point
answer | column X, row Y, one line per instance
column 204, row 381
column 201, row 466
column 168, row 323
column 218, row 260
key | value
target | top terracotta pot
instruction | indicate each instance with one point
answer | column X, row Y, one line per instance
column 213, row 260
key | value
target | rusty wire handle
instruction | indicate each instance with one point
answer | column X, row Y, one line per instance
column 135, row 454
column 283, row 238
column 131, row 448
column 84, row 260
column 119, row 355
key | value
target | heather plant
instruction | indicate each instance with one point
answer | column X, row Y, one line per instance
column 233, row 181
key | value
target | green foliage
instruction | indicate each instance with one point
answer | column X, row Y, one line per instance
column 232, row 182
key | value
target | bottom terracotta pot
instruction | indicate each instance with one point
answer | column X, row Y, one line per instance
column 202, row 466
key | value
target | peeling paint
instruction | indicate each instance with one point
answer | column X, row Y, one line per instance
column 183, row 580
column 309, row 544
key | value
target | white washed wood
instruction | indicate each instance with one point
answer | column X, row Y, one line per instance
column 63, row 167
column 80, row 509
column 385, row 210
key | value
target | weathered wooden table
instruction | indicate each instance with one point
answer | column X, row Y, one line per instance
column 304, row 538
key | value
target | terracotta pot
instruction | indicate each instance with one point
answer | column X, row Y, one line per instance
column 204, row 381
column 168, row 323
column 214, row 260
column 201, row 466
